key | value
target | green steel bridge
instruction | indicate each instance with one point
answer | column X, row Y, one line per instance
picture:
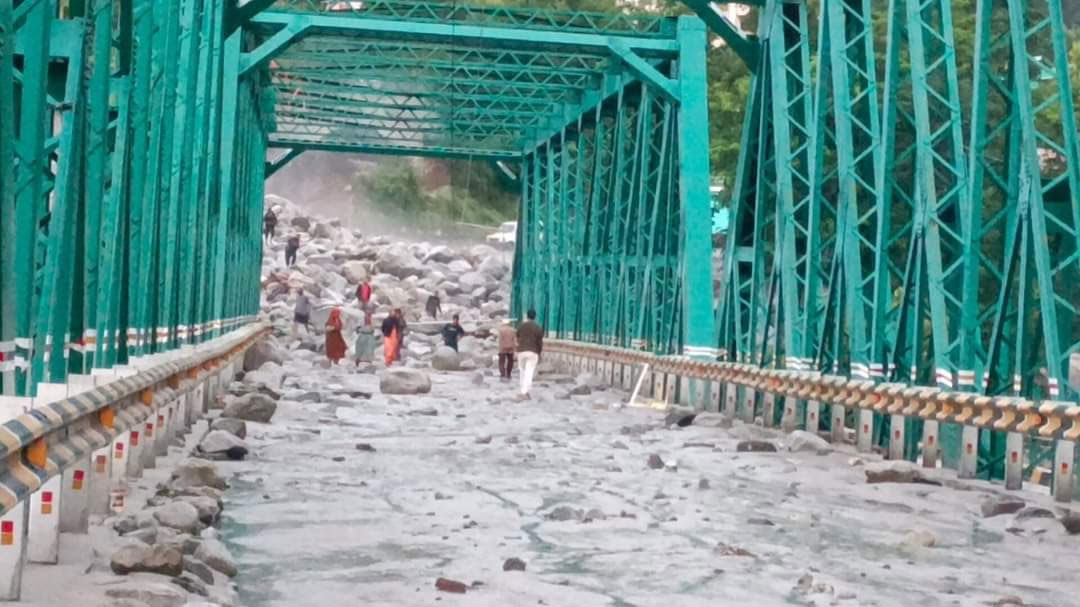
column 892, row 219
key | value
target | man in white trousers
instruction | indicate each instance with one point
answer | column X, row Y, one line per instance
column 530, row 339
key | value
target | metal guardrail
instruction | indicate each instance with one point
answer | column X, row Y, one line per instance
column 1052, row 420
column 41, row 443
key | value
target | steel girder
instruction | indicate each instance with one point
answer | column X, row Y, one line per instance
column 608, row 245
column 109, row 184
column 926, row 261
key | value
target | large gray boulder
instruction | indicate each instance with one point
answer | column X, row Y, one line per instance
column 181, row 516
column 493, row 267
column 480, row 252
column 803, row 441
column 459, row 266
column 253, row 407
column 236, row 427
column 133, row 558
column 216, row 555
column 471, row 281
column 439, row 254
column 264, row 351
column 219, row 444
column 195, row 473
column 446, row 359
column 354, row 271
column 208, row 508
column 399, row 261
column 404, row 381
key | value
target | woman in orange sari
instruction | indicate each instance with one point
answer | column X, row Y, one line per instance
column 335, row 343
column 391, row 330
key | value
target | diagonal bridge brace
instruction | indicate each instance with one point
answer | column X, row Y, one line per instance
column 644, row 70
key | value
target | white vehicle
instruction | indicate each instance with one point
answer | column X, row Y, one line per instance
column 344, row 6
column 506, row 235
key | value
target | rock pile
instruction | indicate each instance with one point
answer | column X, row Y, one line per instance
column 175, row 539
column 332, row 261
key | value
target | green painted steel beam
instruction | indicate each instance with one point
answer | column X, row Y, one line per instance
column 391, row 149
column 747, row 49
column 522, row 39
column 645, row 71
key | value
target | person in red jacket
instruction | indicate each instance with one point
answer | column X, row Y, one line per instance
column 363, row 294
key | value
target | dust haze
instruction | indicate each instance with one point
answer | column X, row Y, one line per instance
column 325, row 183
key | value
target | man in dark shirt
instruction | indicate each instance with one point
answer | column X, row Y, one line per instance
column 291, row 247
column 530, row 339
column 452, row 332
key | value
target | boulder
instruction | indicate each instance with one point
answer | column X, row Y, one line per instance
column 470, row 281
column 197, row 473
column 493, row 267
column 219, row 444
column 152, row 593
column 655, row 462
column 919, row 538
column 404, row 381
column 264, row 351
column 1071, row 521
column 439, row 254
column 514, row 564
column 251, row 407
column 132, row 558
column 192, row 584
column 236, row 427
column 300, row 222
column 481, row 252
column 803, row 441
column 199, row 569
column 580, row 390
column 680, row 416
column 180, row 516
column 459, row 266
column 895, row 472
column 755, row 446
column 1001, row 504
column 209, row 508
column 354, row 271
column 399, row 261
column 446, row 359
column 217, row 557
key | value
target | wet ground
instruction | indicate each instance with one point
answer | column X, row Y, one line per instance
column 564, row 486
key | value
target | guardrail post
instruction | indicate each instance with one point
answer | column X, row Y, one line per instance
column 731, row 400
column 118, row 471
column 684, row 391
column 75, row 498
column 896, row 437
column 713, row 402
column 100, row 467
column 864, row 439
column 136, row 446
column 146, row 450
column 969, row 452
column 768, row 407
column 1064, row 457
column 1014, row 460
column 789, row 420
column 931, row 450
column 813, row 416
column 161, row 436
column 15, row 524
column 749, row 398
column 836, row 427
column 43, row 544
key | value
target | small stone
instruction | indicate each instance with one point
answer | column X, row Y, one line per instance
column 1071, row 522
column 483, row 440
column 1031, row 512
column 426, row 411
column 703, row 484
column 338, row 458
column 855, row 462
column 1009, row 601
column 804, row 584
column 803, row 441
column 758, row 520
column 655, row 462
column 723, row 549
column 896, row 472
column 919, row 538
column 454, row 586
column 365, row 447
column 514, row 564
column 595, row 514
column 580, row 390
column 619, row 445
column 679, row 417
column 1001, row 504
column 565, row 513
column 755, row 446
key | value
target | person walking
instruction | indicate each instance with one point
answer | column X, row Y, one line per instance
column 391, row 330
column 301, row 313
column 530, row 345
column 335, row 343
column 363, row 295
column 291, row 247
column 402, row 327
column 434, row 306
column 507, row 345
column 452, row 332
column 269, row 224
column 365, row 341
